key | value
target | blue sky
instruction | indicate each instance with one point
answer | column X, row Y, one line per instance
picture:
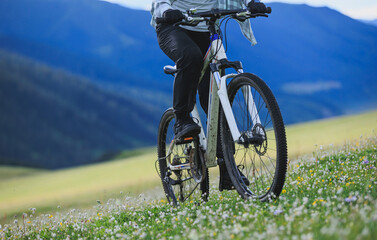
column 359, row 9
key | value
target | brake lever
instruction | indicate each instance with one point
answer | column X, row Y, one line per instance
column 185, row 23
column 262, row 15
column 178, row 23
column 189, row 21
column 244, row 17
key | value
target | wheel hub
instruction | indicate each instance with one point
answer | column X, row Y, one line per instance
column 260, row 133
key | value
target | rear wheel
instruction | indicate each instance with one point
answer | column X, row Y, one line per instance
column 191, row 182
column 262, row 155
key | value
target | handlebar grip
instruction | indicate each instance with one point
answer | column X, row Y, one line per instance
column 269, row 10
column 165, row 20
column 161, row 20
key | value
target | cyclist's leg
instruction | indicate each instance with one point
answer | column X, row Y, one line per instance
column 176, row 43
column 179, row 46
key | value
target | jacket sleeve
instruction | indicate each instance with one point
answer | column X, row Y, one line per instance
column 159, row 7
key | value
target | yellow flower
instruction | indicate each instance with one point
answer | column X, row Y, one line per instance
column 214, row 234
column 284, row 191
column 50, row 216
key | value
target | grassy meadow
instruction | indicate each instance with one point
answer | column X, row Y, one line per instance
column 303, row 138
column 55, row 193
column 76, row 187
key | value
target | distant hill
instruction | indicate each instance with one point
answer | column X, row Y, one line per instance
column 53, row 119
column 372, row 22
column 105, row 40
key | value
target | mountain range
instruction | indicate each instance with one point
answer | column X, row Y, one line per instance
column 53, row 119
column 372, row 22
column 318, row 62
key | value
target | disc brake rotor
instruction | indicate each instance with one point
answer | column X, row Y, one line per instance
column 259, row 131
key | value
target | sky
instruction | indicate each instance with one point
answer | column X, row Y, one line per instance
column 358, row 9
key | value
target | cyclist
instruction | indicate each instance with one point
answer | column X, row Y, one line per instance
column 186, row 46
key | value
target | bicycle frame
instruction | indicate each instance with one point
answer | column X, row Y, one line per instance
column 218, row 93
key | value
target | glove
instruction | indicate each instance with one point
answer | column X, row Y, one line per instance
column 173, row 16
column 256, row 7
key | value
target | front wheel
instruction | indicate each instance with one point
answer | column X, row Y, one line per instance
column 262, row 154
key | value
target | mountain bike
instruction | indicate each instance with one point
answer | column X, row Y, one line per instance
column 242, row 112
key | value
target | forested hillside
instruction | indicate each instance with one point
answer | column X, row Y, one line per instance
column 50, row 118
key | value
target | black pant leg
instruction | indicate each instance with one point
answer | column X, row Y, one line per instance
column 203, row 41
column 176, row 43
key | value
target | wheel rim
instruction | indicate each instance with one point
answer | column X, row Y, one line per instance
column 256, row 162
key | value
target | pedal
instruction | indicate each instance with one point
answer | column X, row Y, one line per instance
column 184, row 140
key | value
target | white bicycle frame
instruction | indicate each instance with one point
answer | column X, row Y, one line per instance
column 218, row 93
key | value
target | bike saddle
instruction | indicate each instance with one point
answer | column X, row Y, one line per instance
column 170, row 69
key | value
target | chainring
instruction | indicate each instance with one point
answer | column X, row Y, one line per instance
column 197, row 164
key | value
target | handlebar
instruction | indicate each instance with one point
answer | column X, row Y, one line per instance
column 192, row 18
column 219, row 13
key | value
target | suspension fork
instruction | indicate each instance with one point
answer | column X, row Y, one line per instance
column 224, row 99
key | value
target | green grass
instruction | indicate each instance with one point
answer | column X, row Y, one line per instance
column 81, row 187
column 330, row 195
column 78, row 187
column 8, row 172
column 305, row 137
